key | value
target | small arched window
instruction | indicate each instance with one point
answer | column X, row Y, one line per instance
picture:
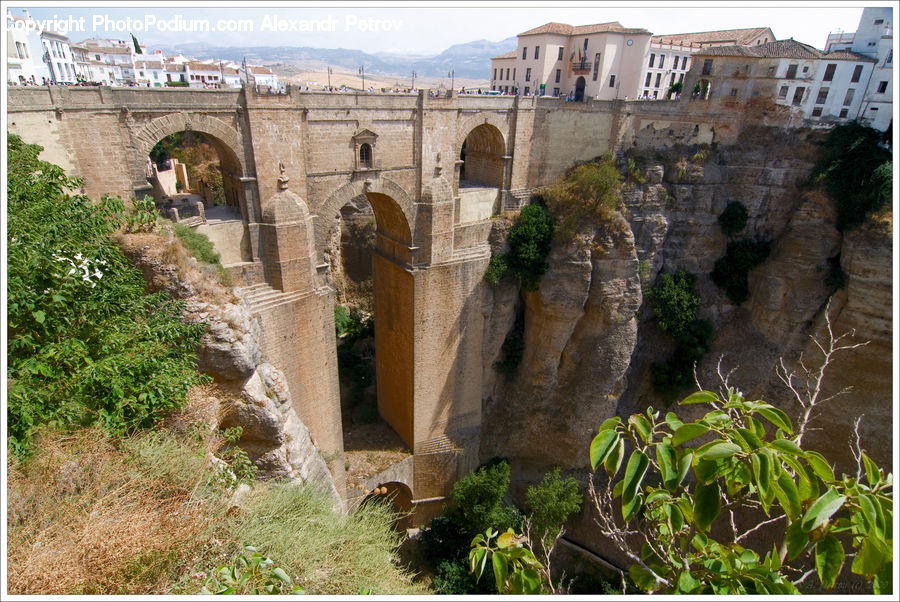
column 365, row 156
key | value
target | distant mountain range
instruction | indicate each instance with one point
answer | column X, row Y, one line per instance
column 470, row 60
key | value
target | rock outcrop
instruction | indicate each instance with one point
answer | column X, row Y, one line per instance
column 254, row 394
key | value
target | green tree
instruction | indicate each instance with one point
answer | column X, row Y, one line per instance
column 857, row 172
column 85, row 344
column 529, row 245
column 746, row 459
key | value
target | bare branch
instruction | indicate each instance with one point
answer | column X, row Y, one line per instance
column 855, row 448
column 759, row 526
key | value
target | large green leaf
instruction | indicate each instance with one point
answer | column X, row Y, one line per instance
column 498, row 562
column 787, row 446
column 642, row 426
column 873, row 475
column 788, row 496
column 601, row 445
column 870, row 508
column 795, row 539
column 883, row 582
column 750, row 437
column 634, row 474
column 820, row 466
column 822, row 509
column 829, row 560
column 762, row 471
column 687, row 583
column 706, row 504
column 870, row 558
column 673, row 421
column 666, row 459
column 699, row 397
column 614, row 458
column 642, row 578
column 724, row 449
column 689, row 431
column 778, row 418
column 706, row 471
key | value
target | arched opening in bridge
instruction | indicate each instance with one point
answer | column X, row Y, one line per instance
column 701, row 90
column 579, row 89
column 373, row 320
column 188, row 168
column 397, row 494
column 482, row 168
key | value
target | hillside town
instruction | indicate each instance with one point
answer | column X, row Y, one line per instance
column 53, row 59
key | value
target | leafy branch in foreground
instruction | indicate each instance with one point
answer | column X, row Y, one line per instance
column 685, row 504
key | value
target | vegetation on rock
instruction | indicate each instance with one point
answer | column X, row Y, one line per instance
column 587, row 194
column 86, row 345
column 676, row 304
column 857, row 173
column 731, row 270
column 734, row 218
column 529, row 245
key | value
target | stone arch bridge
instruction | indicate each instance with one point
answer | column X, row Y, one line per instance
column 435, row 171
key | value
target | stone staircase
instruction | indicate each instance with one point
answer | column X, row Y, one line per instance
column 436, row 445
column 262, row 297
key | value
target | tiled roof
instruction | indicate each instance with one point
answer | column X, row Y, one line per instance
column 148, row 65
column 198, row 66
column 779, row 49
column 259, row 70
column 846, row 55
column 580, row 30
column 739, row 37
column 507, row 55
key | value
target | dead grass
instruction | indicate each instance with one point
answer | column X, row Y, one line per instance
column 91, row 515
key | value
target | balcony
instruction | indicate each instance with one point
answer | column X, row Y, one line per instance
column 581, row 66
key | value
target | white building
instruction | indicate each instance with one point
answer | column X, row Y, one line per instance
column 20, row 68
column 601, row 61
column 150, row 71
column 261, row 77
column 874, row 38
column 203, row 74
column 670, row 55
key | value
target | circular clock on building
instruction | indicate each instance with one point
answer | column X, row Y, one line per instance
column 630, row 42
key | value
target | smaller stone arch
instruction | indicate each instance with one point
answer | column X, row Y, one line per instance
column 400, row 495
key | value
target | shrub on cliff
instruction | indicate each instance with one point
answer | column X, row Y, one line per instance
column 856, row 171
column 587, row 194
column 730, row 271
column 85, row 344
column 676, row 304
column 734, row 218
column 529, row 245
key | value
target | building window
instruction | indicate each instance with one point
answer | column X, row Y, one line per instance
column 882, row 86
column 798, row 96
column 823, row 95
column 857, row 72
column 684, row 63
column 596, row 65
column 537, row 52
column 791, row 72
column 365, row 156
column 662, row 60
column 555, row 91
column 829, row 72
column 843, row 113
column 528, row 74
column 585, row 46
column 672, row 80
column 514, row 73
column 507, row 74
column 770, row 71
column 527, row 90
column 655, row 94
column 805, row 69
column 733, row 92
column 817, row 112
column 879, row 21
column 524, row 52
column 890, row 58
column 707, row 67
column 560, row 56
column 558, row 75
column 848, row 98
column 652, row 59
column 658, row 76
column 647, row 81
column 681, row 78
column 495, row 74
column 612, row 81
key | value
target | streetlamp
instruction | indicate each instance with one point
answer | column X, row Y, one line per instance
column 362, row 72
column 451, row 75
column 413, row 80
column 329, row 79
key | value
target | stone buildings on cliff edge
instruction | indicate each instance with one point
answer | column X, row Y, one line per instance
column 851, row 79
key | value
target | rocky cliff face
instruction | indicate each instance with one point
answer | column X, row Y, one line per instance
column 249, row 392
column 590, row 339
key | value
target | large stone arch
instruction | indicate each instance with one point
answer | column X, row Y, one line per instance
column 227, row 141
column 498, row 120
column 393, row 206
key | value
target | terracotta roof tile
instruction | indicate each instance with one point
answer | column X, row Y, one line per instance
column 507, row 55
column 580, row 30
column 722, row 37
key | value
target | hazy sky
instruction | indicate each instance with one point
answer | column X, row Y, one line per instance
column 414, row 28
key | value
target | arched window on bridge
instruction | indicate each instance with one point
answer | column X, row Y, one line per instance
column 365, row 156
